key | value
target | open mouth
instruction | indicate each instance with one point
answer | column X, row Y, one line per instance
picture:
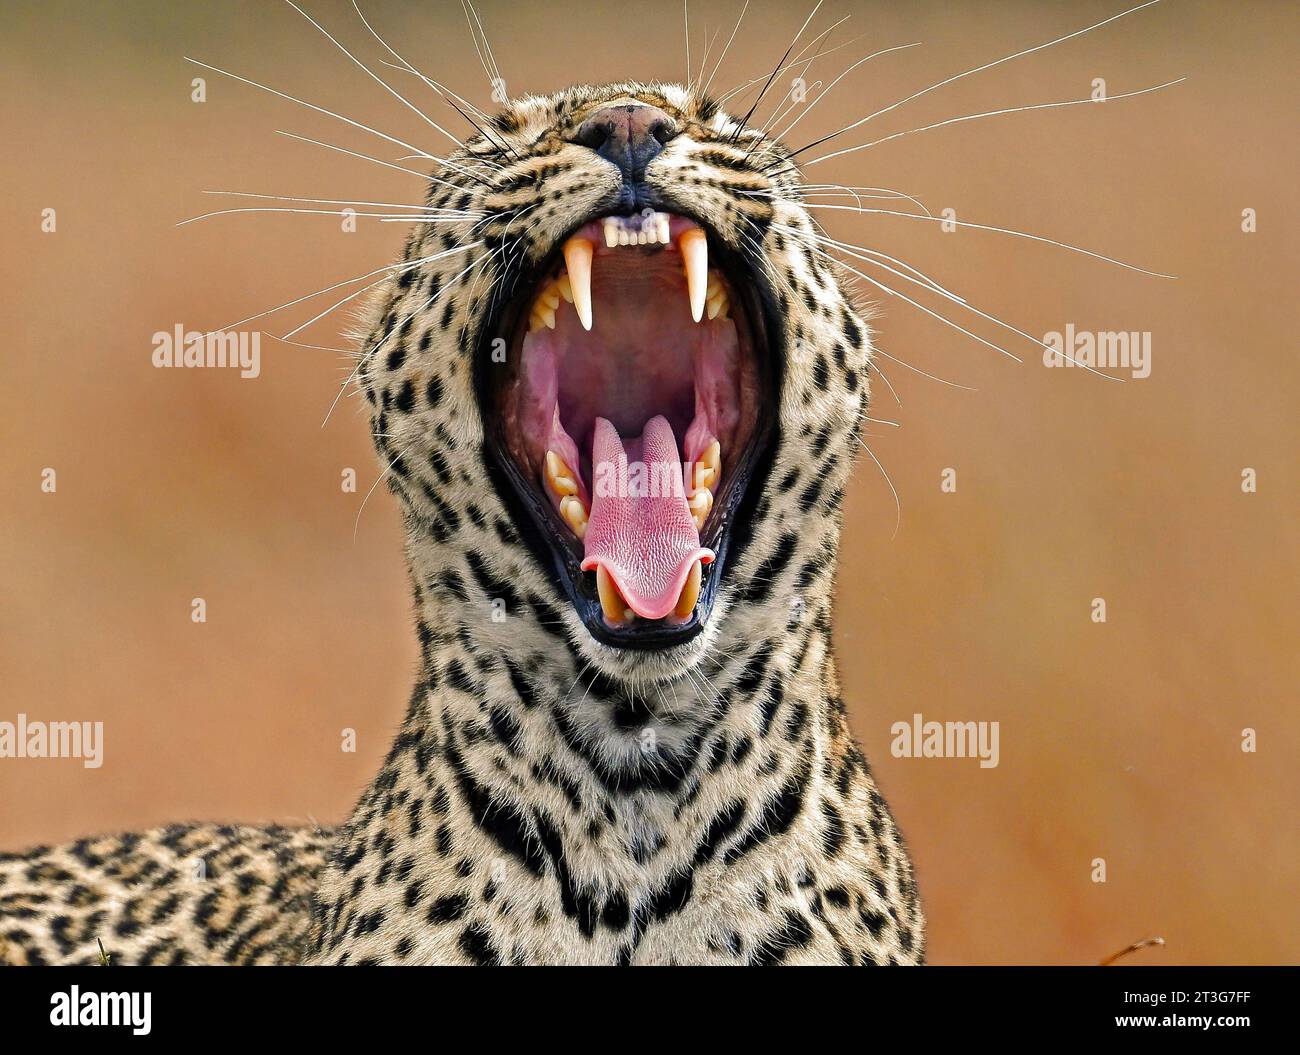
column 630, row 417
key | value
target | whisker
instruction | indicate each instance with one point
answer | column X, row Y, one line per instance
column 877, row 350
column 999, row 230
column 313, row 106
column 968, row 73
column 991, row 113
column 746, row 85
column 705, row 89
column 352, row 296
column 772, row 76
column 375, row 77
column 352, row 153
column 445, row 93
column 822, row 95
column 330, row 201
column 898, row 505
column 325, row 212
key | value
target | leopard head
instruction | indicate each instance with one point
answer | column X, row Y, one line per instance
column 615, row 387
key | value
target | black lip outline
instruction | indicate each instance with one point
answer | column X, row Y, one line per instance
column 731, row 521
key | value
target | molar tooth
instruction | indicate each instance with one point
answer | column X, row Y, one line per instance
column 574, row 514
column 690, row 593
column 716, row 297
column 611, row 601
column 559, row 476
column 712, row 456
column 694, row 247
column 700, row 503
column 577, row 261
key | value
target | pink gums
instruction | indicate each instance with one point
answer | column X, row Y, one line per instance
column 641, row 533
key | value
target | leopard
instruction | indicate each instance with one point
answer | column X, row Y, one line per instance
column 617, row 394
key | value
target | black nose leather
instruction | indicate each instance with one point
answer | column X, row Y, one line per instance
column 630, row 136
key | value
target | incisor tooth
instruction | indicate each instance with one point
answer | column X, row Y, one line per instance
column 559, row 476
column 577, row 262
column 690, row 593
column 694, row 247
column 574, row 514
column 611, row 232
column 611, row 601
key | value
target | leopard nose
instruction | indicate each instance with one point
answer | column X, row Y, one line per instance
column 629, row 135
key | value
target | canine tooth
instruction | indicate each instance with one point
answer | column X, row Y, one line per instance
column 577, row 262
column 611, row 601
column 690, row 593
column 611, row 232
column 574, row 514
column 694, row 247
column 700, row 503
column 559, row 476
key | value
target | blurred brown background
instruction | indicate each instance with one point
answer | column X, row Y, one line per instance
column 1119, row 741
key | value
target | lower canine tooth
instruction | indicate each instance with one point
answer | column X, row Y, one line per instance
column 611, row 601
column 690, row 593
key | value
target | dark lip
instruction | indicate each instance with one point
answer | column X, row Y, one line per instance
column 729, row 526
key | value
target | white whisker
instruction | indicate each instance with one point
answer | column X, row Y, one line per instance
column 313, row 106
column 977, row 69
column 992, row 113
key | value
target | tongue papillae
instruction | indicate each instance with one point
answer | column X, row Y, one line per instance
column 640, row 530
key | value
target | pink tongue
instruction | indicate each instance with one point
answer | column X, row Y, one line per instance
column 640, row 529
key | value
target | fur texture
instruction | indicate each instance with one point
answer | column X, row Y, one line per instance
column 550, row 799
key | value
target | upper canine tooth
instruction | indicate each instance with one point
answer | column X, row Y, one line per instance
column 694, row 247
column 577, row 261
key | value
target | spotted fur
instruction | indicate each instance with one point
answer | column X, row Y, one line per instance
column 550, row 799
